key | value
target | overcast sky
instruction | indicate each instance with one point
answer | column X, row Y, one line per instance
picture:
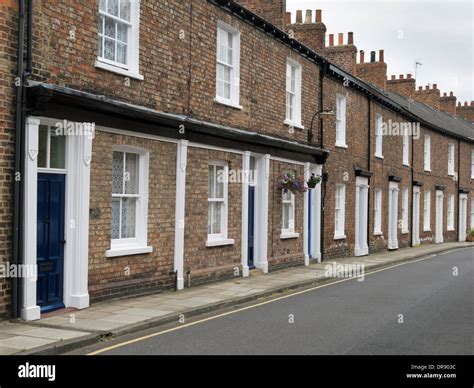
column 439, row 34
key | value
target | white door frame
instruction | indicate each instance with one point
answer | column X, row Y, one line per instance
column 393, row 216
column 76, row 225
column 315, row 237
column 439, row 217
column 362, row 201
column 416, row 216
column 462, row 216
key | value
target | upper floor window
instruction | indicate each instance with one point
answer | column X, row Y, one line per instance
column 450, row 159
column 427, row 153
column 119, row 36
column 339, row 214
column 293, row 93
column 406, row 147
column 129, row 201
column 341, row 121
column 378, row 136
column 228, row 65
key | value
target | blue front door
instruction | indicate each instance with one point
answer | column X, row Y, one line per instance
column 251, row 227
column 50, row 241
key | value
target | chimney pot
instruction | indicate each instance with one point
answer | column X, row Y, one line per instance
column 362, row 56
column 394, row 77
column 420, row 87
column 288, row 18
column 340, row 39
column 451, row 94
column 435, row 86
column 459, row 103
column 465, row 103
column 402, row 76
column 445, row 94
column 427, row 87
column 309, row 16
column 350, row 38
column 318, row 16
column 408, row 76
column 331, row 40
column 381, row 56
column 472, row 103
column 372, row 56
column 299, row 16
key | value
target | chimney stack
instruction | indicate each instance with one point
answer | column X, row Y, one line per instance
column 429, row 96
column 311, row 34
column 448, row 103
column 342, row 55
column 374, row 71
column 466, row 111
column 274, row 11
column 405, row 86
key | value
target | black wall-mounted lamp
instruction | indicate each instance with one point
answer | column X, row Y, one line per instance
column 322, row 114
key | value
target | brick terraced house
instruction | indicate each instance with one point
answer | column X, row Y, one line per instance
column 141, row 143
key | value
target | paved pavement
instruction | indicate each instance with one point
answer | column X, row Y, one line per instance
column 419, row 308
column 69, row 330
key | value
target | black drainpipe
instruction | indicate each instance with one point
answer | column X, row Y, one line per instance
column 369, row 164
column 322, row 74
column 18, row 170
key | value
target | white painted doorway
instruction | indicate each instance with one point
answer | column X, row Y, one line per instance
column 416, row 216
column 361, row 247
column 393, row 216
column 462, row 217
column 439, row 217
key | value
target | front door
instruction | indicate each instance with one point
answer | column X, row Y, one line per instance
column 393, row 216
column 416, row 216
column 362, row 197
column 251, row 228
column 462, row 217
column 439, row 217
column 50, row 241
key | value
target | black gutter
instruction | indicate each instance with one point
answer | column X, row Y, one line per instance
column 18, row 168
column 410, row 195
column 322, row 74
column 458, row 201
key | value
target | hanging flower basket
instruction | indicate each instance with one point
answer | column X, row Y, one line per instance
column 288, row 181
column 313, row 181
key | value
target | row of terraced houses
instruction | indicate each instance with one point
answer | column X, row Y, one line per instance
column 141, row 143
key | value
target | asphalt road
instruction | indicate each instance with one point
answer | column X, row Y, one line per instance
column 415, row 308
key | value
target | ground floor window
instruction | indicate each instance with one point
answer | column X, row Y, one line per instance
column 217, row 201
column 339, row 214
column 378, row 212
column 288, row 216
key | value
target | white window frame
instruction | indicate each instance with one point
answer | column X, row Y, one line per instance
column 406, row 147
column 450, row 213
column 138, row 244
column 378, row 212
column 405, row 216
column 234, row 100
column 339, row 212
column 378, row 136
column 219, row 239
column 294, row 121
column 132, row 67
column 341, row 113
column 427, row 211
column 451, row 155
column 290, row 231
column 427, row 153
